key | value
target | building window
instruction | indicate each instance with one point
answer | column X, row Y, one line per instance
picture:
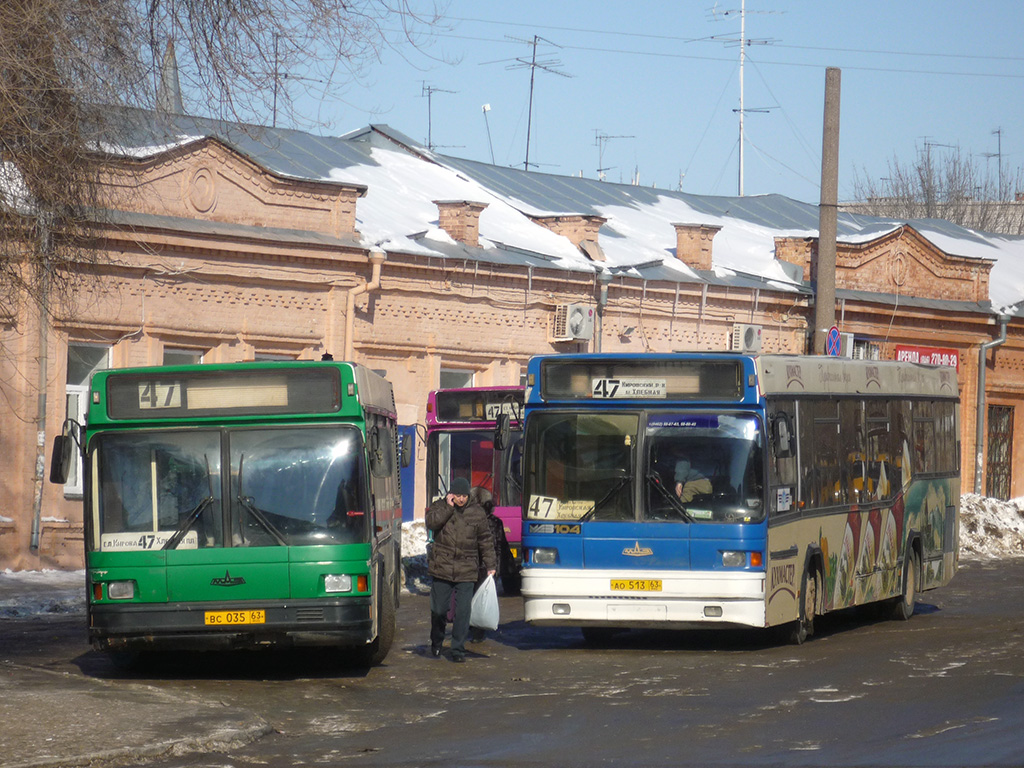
column 455, row 378
column 182, row 356
column 83, row 361
column 999, row 471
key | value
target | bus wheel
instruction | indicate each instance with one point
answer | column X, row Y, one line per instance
column 803, row 627
column 902, row 607
column 374, row 654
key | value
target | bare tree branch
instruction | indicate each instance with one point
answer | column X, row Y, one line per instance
column 950, row 186
column 64, row 63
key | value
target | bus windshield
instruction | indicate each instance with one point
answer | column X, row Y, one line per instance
column 468, row 454
column 580, row 466
column 704, row 468
column 289, row 486
column 694, row 468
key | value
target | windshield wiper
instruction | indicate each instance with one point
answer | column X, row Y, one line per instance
column 675, row 503
column 617, row 486
column 256, row 512
column 178, row 535
column 261, row 518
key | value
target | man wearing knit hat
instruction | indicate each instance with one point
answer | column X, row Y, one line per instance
column 462, row 541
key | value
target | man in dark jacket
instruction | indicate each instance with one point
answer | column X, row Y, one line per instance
column 462, row 541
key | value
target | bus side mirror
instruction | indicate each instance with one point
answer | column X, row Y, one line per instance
column 406, row 449
column 502, row 432
column 63, row 454
column 782, row 428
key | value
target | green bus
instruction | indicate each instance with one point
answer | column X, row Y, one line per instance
column 241, row 505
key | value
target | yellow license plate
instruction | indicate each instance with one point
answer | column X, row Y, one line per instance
column 230, row 618
column 636, row 585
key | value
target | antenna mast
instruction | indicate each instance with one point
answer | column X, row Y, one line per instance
column 429, row 91
column 600, row 139
column 547, row 65
column 743, row 43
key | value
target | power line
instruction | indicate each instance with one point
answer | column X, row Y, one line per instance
column 677, row 39
column 817, row 66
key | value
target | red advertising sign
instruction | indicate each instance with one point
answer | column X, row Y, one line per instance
column 928, row 355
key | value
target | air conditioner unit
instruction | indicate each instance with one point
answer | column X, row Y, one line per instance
column 746, row 338
column 846, row 345
column 572, row 322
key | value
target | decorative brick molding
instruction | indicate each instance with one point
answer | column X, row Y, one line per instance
column 461, row 220
column 898, row 262
column 207, row 179
column 693, row 244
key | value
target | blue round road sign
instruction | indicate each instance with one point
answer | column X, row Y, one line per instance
column 833, row 342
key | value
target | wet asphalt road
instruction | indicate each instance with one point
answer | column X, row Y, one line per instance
column 944, row 689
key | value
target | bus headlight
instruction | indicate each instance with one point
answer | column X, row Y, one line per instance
column 337, row 582
column 741, row 559
column 120, row 590
column 545, row 556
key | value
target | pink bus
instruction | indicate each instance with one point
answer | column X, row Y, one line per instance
column 461, row 427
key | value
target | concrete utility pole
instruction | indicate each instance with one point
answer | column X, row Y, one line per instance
column 825, row 280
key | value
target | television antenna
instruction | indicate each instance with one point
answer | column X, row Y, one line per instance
column 278, row 77
column 998, row 154
column 600, row 139
column 743, row 41
column 429, row 91
column 546, row 65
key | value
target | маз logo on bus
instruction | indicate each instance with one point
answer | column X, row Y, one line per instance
column 227, row 581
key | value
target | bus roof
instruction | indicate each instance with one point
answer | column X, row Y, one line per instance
column 465, row 407
column 727, row 377
column 270, row 390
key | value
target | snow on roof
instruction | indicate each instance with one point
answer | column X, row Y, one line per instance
column 403, row 179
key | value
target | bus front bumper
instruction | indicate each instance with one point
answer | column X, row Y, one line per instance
column 685, row 600
column 184, row 626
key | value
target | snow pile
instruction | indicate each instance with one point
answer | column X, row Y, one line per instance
column 414, row 556
column 991, row 528
column 34, row 593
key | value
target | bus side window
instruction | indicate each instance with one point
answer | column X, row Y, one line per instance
column 782, row 457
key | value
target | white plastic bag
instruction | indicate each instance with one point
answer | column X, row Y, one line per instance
column 484, row 613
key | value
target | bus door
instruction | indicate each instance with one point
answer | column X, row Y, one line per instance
column 508, row 485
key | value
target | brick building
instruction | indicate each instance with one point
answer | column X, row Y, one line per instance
column 227, row 243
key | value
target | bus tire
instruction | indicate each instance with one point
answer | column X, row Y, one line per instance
column 902, row 607
column 374, row 653
column 803, row 627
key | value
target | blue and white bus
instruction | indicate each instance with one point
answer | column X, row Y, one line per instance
column 703, row 490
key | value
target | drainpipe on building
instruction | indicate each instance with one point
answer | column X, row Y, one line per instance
column 45, row 248
column 604, row 278
column 979, row 433
column 377, row 259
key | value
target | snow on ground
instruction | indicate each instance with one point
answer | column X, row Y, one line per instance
column 988, row 529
